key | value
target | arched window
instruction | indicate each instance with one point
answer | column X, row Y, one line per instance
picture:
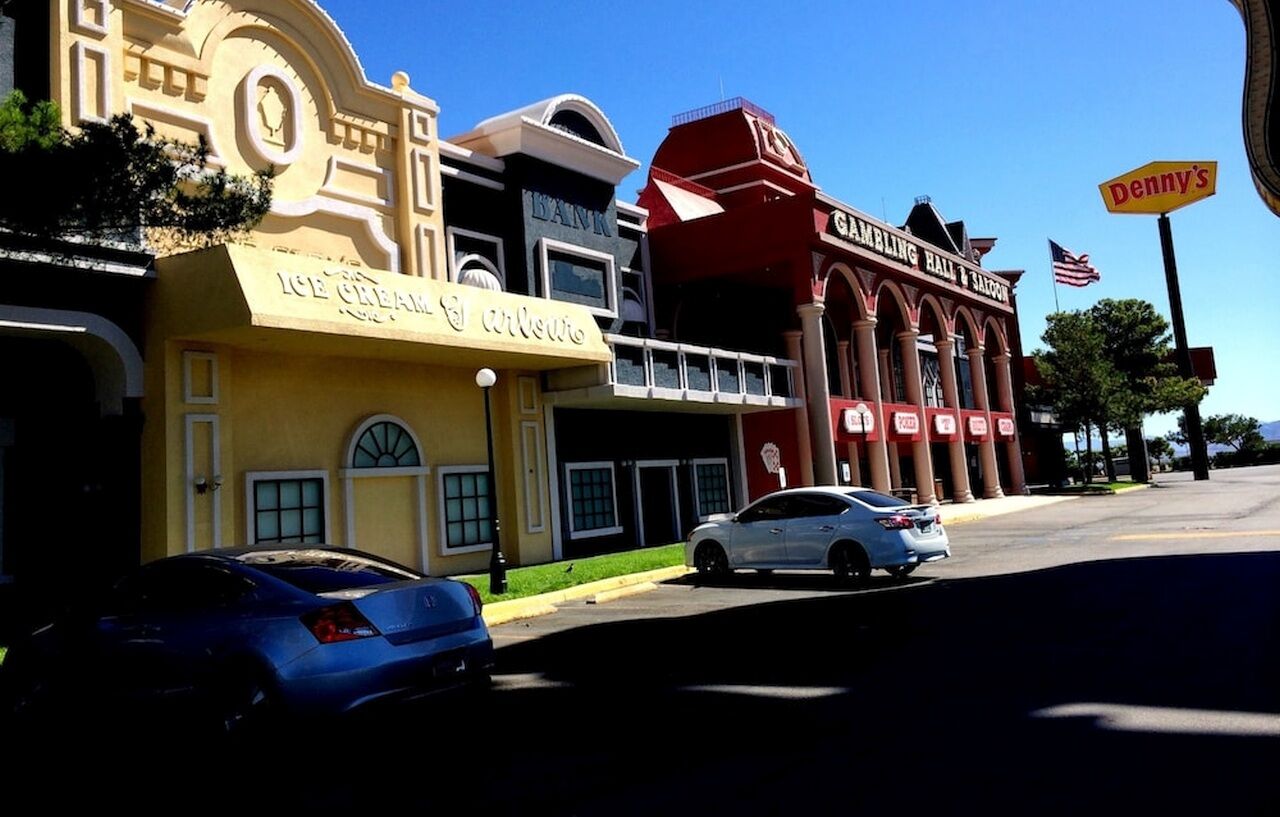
column 385, row 444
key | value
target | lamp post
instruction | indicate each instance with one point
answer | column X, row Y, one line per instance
column 485, row 378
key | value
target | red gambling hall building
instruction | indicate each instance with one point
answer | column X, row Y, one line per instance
column 906, row 341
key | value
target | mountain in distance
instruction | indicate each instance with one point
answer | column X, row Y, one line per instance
column 1270, row 432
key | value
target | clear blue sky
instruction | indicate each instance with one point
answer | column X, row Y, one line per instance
column 1007, row 113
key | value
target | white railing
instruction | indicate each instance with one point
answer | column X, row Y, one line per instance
column 643, row 367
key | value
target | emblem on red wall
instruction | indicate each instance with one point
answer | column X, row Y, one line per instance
column 1005, row 426
column 978, row 426
column 772, row 457
column 777, row 146
column 944, row 423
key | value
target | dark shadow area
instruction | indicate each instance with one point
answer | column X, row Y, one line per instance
column 813, row 581
column 920, row 701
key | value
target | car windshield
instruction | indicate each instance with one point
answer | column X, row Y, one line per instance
column 877, row 500
column 325, row 571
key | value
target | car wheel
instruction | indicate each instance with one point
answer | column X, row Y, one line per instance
column 711, row 561
column 901, row 571
column 850, row 564
column 244, row 704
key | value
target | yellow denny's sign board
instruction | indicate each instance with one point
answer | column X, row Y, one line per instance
column 276, row 290
column 1160, row 187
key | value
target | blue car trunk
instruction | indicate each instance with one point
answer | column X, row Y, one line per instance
column 405, row 612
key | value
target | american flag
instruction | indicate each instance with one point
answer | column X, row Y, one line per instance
column 1071, row 269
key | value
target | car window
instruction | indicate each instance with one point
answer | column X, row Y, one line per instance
column 878, row 500
column 818, row 505
column 325, row 571
column 165, row 587
column 770, row 508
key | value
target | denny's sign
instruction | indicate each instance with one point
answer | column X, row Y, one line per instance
column 1160, row 187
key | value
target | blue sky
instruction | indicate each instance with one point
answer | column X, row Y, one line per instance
column 1007, row 113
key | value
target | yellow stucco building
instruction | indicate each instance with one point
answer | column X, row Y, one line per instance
column 315, row 382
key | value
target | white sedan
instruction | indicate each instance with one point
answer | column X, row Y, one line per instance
column 847, row 530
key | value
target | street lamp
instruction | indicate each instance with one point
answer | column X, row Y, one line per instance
column 485, row 378
column 859, row 420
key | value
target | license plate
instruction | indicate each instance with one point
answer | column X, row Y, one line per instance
column 450, row 665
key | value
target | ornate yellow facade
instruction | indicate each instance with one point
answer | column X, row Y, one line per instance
column 269, row 364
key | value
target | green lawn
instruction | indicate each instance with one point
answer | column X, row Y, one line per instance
column 530, row 581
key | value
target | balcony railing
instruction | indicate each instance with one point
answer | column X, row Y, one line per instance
column 647, row 368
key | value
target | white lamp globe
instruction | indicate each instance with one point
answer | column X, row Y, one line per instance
column 486, row 378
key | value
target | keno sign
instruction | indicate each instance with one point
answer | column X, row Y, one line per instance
column 944, row 423
column 1004, row 426
column 978, row 426
column 905, row 422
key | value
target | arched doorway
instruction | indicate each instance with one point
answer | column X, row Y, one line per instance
column 69, row 453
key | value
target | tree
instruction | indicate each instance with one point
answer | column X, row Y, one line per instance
column 1137, row 343
column 1159, row 449
column 1079, row 380
column 110, row 180
column 1235, row 430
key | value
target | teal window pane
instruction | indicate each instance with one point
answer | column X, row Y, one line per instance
column 455, row 534
column 290, row 494
column 266, row 496
column 311, row 493
column 290, row 524
column 268, row 526
column 312, row 521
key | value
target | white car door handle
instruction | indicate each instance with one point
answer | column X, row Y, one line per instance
column 827, row 528
column 775, row 530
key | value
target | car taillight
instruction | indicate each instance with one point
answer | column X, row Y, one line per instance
column 896, row 522
column 476, row 601
column 341, row 622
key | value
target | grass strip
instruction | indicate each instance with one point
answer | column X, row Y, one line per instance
column 538, row 579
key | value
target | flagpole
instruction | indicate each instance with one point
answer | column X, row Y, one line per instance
column 1056, row 308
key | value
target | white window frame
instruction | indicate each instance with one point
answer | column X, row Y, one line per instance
column 455, row 269
column 350, row 469
column 441, row 472
column 569, row 468
column 697, row 496
column 251, row 478
column 546, row 246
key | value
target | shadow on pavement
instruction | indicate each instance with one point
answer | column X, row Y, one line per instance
column 916, row 701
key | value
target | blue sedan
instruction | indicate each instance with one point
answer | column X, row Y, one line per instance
column 245, row 633
column 850, row 531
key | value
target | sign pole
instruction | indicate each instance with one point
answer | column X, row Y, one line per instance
column 1195, row 432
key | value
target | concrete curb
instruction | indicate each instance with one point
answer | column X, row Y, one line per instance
column 501, row 612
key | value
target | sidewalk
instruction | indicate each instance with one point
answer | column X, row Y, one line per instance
column 502, row 612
